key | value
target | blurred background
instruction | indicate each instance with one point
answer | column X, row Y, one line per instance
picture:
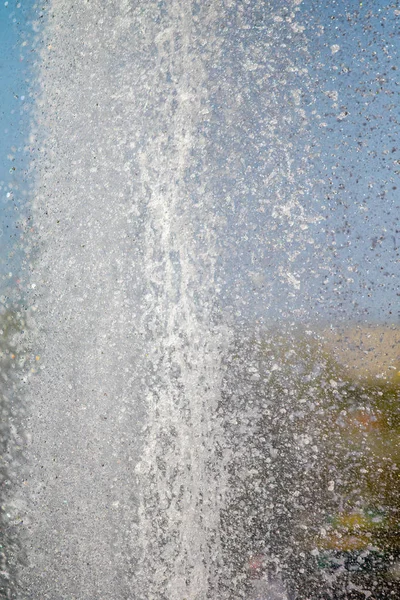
column 302, row 133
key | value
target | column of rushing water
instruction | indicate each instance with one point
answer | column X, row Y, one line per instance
column 124, row 479
column 122, row 282
column 181, row 478
column 83, row 408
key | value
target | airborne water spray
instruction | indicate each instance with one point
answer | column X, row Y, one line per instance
column 123, row 295
column 125, row 479
column 181, row 471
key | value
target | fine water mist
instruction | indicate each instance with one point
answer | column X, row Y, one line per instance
column 181, row 290
column 123, row 477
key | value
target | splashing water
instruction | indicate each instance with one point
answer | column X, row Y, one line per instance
column 125, row 475
column 130, row 359
column 183, row 481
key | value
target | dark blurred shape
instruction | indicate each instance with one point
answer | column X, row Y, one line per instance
column 12, row 358
column 313, row 422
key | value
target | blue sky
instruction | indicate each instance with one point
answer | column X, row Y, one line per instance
column 15, row 58
column 355, row 49
column 352, row 270
column 360, row 153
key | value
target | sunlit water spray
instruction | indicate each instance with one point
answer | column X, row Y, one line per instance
column 125, row 479
column 180, row 474
column 122, row 437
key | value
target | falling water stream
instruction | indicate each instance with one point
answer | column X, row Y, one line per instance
column 123, row 479
column 125, row 468
column 175, row 210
